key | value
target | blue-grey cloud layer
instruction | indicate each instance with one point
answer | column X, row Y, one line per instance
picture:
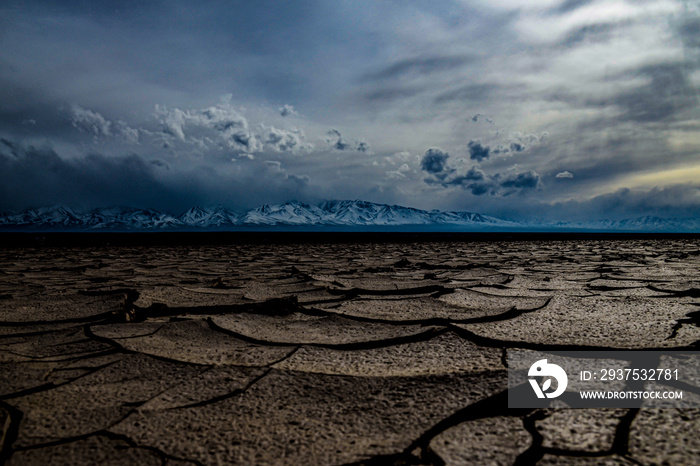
column 574, row 103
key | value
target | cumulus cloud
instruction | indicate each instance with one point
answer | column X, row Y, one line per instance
column 336, row 142
column 400, row 158
column 223, row 119
column 564, row 175
column 435, row 161
column 474, row 180
column 479, row 116
column 284, row 140
column 173, row 121
column 90, row 121
column 528, row 179
column 399, row 173
column 477, row 151
column 521, row 142
column 94, row 123
column 224, row 124
column 403, row 156
column 364, row 147
column 231, row 125
column 516, row 147
column 287, row 110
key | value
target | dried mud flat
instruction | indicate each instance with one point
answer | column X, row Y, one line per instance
column 331, row 353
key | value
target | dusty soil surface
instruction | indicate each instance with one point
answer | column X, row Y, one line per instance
column 331, row 353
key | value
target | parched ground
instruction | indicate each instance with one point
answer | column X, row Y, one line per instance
column 331, row 353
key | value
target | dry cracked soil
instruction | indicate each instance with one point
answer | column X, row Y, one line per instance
column 367, row 353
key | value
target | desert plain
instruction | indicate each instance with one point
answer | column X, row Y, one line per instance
column 368, row 352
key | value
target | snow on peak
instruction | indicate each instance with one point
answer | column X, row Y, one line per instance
column 350, row 213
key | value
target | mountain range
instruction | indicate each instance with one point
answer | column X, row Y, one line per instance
column 332, row 215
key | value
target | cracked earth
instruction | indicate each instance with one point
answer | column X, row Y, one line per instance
column 373, row 353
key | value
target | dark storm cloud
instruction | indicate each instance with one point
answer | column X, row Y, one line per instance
column 287, row 110
column 434, row 161
column 516, row 147
column 474, row 180
column 38, row 176
column 336, row 142
column 363, row 147
column 479, row 183
column 480, row 188
column 527, row 180
column 477, row 151
column 479, row 116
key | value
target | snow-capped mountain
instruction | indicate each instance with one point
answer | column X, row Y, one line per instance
column 368, row 213
column 98, row 219
column 359, row 213
column 201, row 217
column 149, row 218
column 54, row 216
column 289, row 213
column 328, row 214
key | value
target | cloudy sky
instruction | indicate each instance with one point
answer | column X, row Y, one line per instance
column 568, row 109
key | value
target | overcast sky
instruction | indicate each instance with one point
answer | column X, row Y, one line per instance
column 568, row 109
